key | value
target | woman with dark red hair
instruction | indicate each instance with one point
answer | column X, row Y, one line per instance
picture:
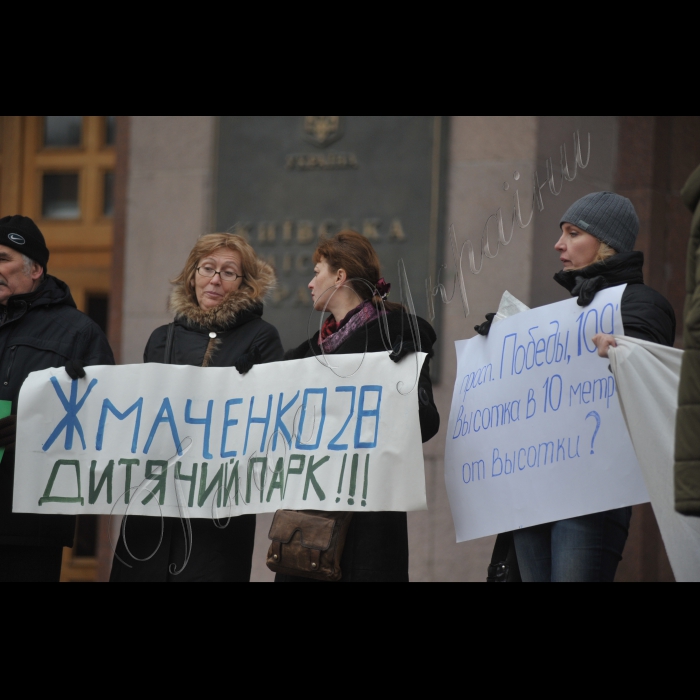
column 347, row 283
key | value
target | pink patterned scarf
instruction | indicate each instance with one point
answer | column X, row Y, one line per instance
column 333, row 334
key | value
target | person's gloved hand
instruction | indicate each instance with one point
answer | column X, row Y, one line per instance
column 401, row 348
column 75, row 369
column 245, row 362
column 485, row 327
column 8, row 432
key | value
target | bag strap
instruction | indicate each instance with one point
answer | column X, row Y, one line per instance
column 504, row 564
column 501, row 548
column 168, row 355
column 504, row 561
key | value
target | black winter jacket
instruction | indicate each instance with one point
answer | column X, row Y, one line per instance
column 37, row 331
column 218, row 554
column 376, row 548
column 646, row 314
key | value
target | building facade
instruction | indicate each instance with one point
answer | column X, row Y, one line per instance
column 60, row 172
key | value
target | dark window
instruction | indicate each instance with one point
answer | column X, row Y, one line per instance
column 59, row 199
column 108, row 201
column 110, row 130
column 97, row 309
column 62, row 131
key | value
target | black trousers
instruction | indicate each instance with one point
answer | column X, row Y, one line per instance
column 157, row 551
column 20, row 564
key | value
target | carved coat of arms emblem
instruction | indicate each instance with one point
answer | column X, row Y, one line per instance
column 322, row 131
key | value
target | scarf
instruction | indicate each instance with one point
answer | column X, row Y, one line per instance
column 585, row 283
column 334, row 334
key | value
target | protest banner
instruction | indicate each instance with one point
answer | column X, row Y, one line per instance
column 648, row 376
column 170, row 440
column 535, row 431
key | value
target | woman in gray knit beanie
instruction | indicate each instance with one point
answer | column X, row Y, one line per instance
column 598, row 233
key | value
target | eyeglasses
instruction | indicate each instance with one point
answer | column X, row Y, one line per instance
column 225, row 275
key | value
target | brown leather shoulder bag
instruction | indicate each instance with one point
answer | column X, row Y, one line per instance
column 308, row 543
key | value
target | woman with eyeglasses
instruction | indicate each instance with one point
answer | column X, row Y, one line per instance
column 218, row 306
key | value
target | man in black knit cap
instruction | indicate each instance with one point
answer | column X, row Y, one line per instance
column 40, row 327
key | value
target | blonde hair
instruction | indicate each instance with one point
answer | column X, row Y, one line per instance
column 206, row 245
column 603, row 253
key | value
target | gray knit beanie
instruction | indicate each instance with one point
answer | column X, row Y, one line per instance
column 609, row 217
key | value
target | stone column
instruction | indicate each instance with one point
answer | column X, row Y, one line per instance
column 169, row 200
column 484, row 152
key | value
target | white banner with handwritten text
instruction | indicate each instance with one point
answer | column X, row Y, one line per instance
column 210, row 443
column 535, row 431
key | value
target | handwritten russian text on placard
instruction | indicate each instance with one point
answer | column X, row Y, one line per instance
column 535, row 431
column 155, row 439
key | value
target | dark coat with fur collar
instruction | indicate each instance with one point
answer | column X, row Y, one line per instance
column 238, row 326
column 217, row 554
column 376, row 548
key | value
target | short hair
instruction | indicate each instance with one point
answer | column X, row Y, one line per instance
column 27, row 269
column 252, row 268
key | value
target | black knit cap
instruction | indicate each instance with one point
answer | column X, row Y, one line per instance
column 22, row 234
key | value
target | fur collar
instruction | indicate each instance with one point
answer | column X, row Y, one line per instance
column 227, row 314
